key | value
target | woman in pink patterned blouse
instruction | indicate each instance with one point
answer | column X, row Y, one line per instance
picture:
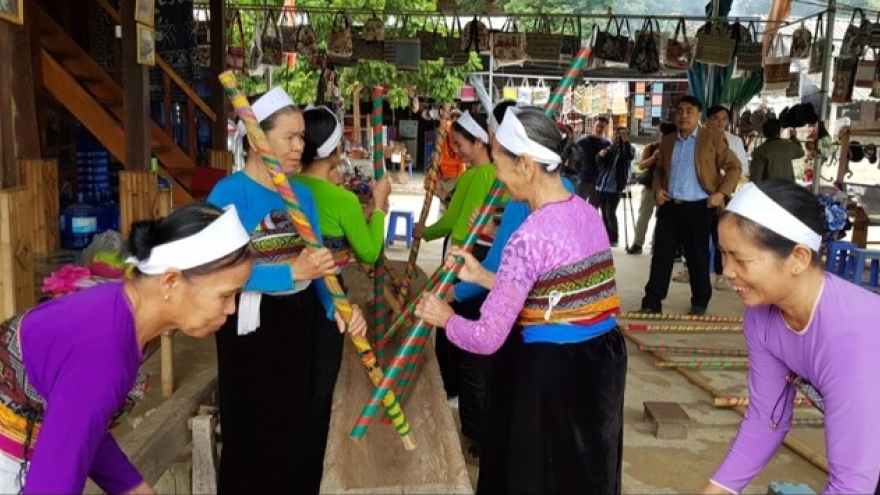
column 555, row 409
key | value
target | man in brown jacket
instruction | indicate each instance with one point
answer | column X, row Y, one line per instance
column 696, row 171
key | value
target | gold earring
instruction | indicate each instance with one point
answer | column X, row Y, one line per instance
column 166, row 297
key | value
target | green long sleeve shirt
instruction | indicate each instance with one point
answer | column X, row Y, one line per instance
column 340, row 216
column 470, row 192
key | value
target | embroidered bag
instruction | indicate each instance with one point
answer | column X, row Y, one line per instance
column 571, row 43
column 645, row 56
column 374, row 29
column 475, row 36
column 541, row 43
column 801, row 40
column 750, row 53
column 854, row 40
column 339, row 44
column 287, row 28
column 679, row 50
column 844, row 79
column 306, row 41
column 270, row 41
column 777, row 66
column 508, row 44
column 236, row 50
column 817, row 50
column 715, row 46
column 613, row 46
column 866, row 70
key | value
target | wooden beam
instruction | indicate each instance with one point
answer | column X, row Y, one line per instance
column 219, row 102
column 136, row 98
column 19, row 134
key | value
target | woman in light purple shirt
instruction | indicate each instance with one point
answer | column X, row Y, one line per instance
column 805, row 329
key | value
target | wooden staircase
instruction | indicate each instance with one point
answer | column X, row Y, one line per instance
column 76, row 80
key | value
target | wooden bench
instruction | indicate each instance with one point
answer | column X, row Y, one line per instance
column 669, row 419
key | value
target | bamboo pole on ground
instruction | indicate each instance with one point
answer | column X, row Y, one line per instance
column 697, row 364
column 632, row 315
column 639, row 327
column 695, row 351
column 301, row 222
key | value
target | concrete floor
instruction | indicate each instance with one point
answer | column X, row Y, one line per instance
column 651, row 465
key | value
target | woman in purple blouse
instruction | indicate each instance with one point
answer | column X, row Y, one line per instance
column 805, row 329
column 68, row 364
column 555, row 408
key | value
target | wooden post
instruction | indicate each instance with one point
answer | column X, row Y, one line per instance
column 166, row 360
column 40, row 177
column 136, row 97
column 220, row 159
column 219, row 102
column 138, row 198
column 204, row 453
column 16, row 253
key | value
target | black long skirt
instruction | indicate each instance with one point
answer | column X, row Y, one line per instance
column 556, row 417
column 266, row 385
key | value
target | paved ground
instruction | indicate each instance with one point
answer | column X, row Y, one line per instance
column 651, row 465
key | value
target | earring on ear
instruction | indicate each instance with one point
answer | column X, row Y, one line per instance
column 166, row 297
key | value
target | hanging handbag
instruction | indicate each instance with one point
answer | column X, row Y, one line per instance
column 874, row 34
column 508, row 92
column 571, row 43
column 203, row 41
column 339, row 44
column 524, row 93
column 854, row 39
column 236, row 50
column 429, row 37
column 866, row 70
column 801, row 40
column 374, row 29
column 613, row 46
column 541, row 43
column 475, row 36
column 817, row 50
column 645, row 57
column 679, row 50
column 750, row 53
column 270, row 41
column 404, row 50
column 715, row 46
column 540, row 93
column 777, row 66
column 287, row 28
column 508, row 44
column 844, row 79
column 255, row 57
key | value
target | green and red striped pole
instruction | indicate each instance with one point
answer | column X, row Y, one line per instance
column 699, row 364
column 694, row 351
column 301, row 222
column 380, row 305
column 411, row 347
column 677, row 317
column 641, row 327
column 554, row 104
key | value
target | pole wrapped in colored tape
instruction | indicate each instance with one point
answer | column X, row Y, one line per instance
column 580, row 60
column 703, row 365
column 410, row 349
column 380, row 305
column 678, row 317
column 638, row 327
column 696, row 351
column 260, row 144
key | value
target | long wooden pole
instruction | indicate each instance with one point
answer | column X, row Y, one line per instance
column 639, row 327
column 301, row 222
column 677, row 317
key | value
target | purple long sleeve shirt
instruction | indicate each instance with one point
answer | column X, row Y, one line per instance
column 837, row 354
column 556, row 235
column 81, row 355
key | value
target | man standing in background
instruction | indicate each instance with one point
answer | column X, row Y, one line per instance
column 589, row 172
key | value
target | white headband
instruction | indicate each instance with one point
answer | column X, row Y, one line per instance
column 222, row 237
column 750, row 202
column 471, row 125
column 266, row 105
column 512, row 135
column 329, row 146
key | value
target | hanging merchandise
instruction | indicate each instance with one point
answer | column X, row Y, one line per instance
column 270, row 41
column 407, row 48
column 777, row 66
column 203, row 40
column 431, row 40
column 255, row 56
column 619, row 94
column 874, row 34
column 524, row 93
column 749, row 53
column 800, row 42
column 679, row 50
column 602, row 99
column 794, row 85
column 287, row 28
column 581, row 99
column 817, row 50
column 844, row 79
column 306, row 43
column 540, row 93
column 339, row 45
column 475, row 36
column 508, row 44
column 715, row 46
column 236, row 50
column 508, row 92
column 854, row 39
column 645, row 57
column 866, row 70
column 541, row 43
column 613, row 46
column 374, row 28
column 571, row 42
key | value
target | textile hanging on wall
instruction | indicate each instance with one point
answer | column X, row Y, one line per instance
column 176, row 44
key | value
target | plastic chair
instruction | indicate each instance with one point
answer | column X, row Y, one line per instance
column 837, row 256
column 409, row 219
column 855, row 266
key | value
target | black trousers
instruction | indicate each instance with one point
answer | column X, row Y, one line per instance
column 716, row 260
column 685, row 223
column 588, row 193
column 608, row 207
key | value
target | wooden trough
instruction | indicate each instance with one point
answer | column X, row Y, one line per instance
column 379, row 464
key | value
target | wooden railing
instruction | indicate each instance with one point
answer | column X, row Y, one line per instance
column 169, row 77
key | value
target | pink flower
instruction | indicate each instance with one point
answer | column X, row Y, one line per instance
column 63, row 280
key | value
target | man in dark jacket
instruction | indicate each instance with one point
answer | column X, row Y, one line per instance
column 589, row 171
column 614, row 164
column 773, row 159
